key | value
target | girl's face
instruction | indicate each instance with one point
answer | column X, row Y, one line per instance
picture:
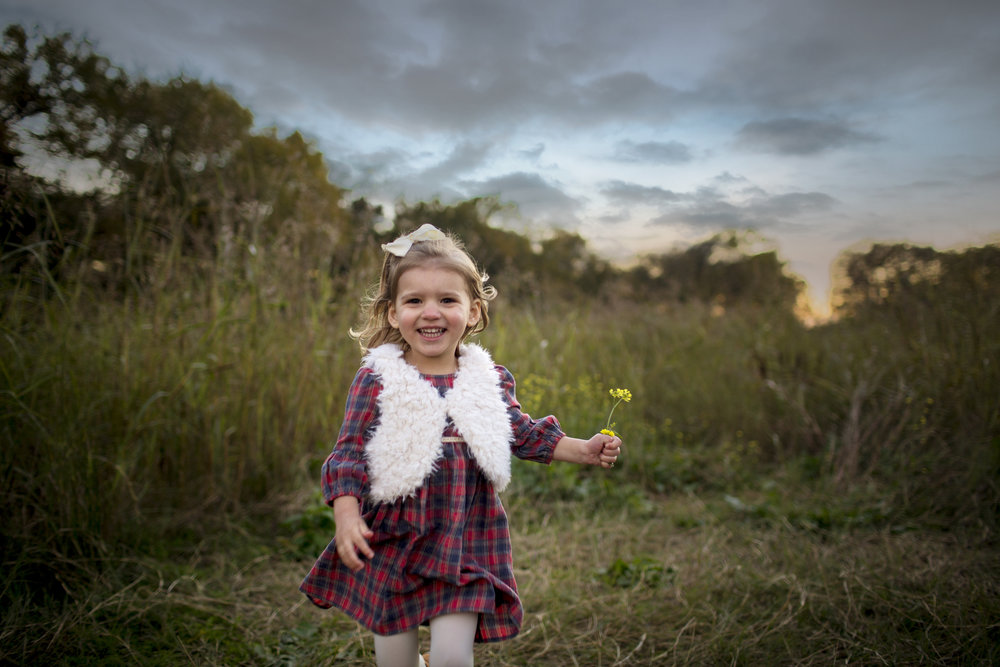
column 432, row 309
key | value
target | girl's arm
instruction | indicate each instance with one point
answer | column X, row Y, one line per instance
column 534, row 438
column 352, row 532
column 345, row 474
column 601, row 450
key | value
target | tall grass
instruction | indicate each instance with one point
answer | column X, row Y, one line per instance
column 134, row 424
column 721, row 398
column 127, row 417
column 119, row 412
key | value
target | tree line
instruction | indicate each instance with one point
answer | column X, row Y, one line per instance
column 113, row 180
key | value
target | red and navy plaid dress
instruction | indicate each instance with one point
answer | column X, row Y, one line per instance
column 444, row 550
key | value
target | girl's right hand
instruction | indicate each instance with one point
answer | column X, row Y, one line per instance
column 352, row 533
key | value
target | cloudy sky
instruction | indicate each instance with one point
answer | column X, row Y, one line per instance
column 642, row 125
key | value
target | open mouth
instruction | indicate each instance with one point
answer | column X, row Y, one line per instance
column 436, row 332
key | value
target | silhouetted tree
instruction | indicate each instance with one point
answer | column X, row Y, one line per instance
column 907, row 276
column 718, row 270
column 172, row 169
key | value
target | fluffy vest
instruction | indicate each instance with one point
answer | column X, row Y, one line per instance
column 406, row 445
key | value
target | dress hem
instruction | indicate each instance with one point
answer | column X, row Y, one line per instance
column 480, row 639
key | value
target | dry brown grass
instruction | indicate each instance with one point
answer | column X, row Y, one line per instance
column 739, row 592
column 221, row 409
column 700, row 586
column 685, row 580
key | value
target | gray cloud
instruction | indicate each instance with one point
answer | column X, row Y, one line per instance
column 398, row 173
column 431, row 67
column 532, row 154
column 448, row 65
column 709, row 209
column 842, row 54
column 537, row 199
column 727, row 202
column 714, row 215
column 439, row 180
column 654, row 152
column 799, row 136
column 792, row 204
column 369, row 171
column 990, row 177
column 727, row 178
column 465, row 157
column 624, row 193
column 613, row 218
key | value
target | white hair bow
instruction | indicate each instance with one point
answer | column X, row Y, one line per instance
column 401, row 246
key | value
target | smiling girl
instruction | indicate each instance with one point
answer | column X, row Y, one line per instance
column 423, row 452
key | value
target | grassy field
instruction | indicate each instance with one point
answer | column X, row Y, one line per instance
column 686, row 579
column 174, row 362
column 789, row 495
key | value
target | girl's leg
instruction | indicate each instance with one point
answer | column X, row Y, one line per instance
column 452, row 638
column 397, row 650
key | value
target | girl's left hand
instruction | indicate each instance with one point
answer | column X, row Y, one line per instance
column 605, row 449
column 601, row 450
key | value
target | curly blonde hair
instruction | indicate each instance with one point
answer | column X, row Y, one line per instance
column 448, row 253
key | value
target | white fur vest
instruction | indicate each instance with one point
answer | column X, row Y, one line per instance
column 406, row 445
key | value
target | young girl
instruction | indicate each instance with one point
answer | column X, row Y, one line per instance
column 423, row 452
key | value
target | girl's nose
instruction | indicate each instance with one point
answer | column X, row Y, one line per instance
column 431, row 310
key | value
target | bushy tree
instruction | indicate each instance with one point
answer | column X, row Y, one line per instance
column 904, row 277
column 721, row 270
column 173, row 169
column 45, row 85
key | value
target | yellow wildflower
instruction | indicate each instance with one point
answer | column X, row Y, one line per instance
column 622, row 395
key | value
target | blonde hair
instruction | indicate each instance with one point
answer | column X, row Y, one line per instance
column 447, row 253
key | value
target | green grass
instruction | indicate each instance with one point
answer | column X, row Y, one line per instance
column 686, row 579
column 787, row 495
column 708, row 587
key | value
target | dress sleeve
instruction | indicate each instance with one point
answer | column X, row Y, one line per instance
column 534, row 439
column 345, row 472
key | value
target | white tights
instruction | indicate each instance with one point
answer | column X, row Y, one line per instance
column 451, row 643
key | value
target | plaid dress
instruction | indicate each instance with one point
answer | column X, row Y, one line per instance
column 445, row 549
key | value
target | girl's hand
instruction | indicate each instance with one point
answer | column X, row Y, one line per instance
column 608, row 449
column 352, row 533
column 601, row 450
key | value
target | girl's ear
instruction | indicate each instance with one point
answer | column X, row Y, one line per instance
column 475, row 312
column 391, row 316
